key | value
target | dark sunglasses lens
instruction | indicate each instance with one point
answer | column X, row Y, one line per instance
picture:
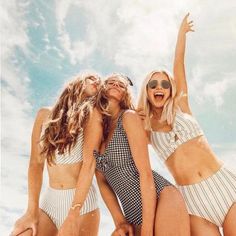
column 165, row 84
column 152, row 84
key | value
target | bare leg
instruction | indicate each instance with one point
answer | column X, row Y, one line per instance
column 45, row 226
column 202, row 227
column 89, row 223
column 230, row 222
column 172, row 218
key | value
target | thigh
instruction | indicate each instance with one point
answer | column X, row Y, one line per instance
column 202, row 227
column 171, row 215
column 46, row 227
column 230, row 222
column 89, row 223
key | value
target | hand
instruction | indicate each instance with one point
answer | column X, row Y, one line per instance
column 27, row 221
column 123, row 230
column 70, row 226
column 141, row 114
column 186, row 26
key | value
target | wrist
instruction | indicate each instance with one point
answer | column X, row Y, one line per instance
column 120, row 222
column 75, row 209
column 34, row 212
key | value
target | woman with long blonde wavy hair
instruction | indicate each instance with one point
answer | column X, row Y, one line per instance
column 207, row 186
column 65, row 137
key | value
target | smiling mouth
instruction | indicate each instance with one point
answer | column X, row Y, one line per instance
column 158, row 96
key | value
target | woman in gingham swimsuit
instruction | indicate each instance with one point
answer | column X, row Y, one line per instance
column 124, row 170
column 208, row 188
column 64, row 136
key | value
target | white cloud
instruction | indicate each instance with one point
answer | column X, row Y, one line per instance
column 15, row 115
column 76, row 49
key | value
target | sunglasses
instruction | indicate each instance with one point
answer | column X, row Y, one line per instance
column 152, row 84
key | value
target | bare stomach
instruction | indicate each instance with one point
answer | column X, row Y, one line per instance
column 64, row 176
column 193, row 161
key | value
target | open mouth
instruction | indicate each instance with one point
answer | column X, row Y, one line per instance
column 158, row 96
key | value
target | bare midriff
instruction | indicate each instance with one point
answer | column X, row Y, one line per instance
column 64, row 176
column 192, row 162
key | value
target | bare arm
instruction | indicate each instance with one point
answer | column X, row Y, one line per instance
column 35, row 177
column 139, row 148
column 179, row 66
column 92, row 140
column 112, row 204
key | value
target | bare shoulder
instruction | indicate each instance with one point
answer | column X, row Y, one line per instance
column 130, row 114
column 42, row 115
column 131, row 117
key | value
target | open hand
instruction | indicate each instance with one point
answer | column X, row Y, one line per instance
column 186, row 25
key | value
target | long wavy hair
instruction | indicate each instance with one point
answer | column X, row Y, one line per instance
column 67, row 118
column 170, row 106
column 103, row 102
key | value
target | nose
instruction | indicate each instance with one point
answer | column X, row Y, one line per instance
column 115, row 84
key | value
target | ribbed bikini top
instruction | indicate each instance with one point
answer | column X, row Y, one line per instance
column 74, row 156
column 185, row 128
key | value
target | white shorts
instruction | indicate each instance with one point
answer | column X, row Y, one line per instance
column 56, row 203
column 211, row 198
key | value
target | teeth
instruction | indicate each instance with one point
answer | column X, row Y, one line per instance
column 158, row 93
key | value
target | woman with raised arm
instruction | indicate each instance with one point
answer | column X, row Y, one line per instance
column 150, row 203
column 65, row 136
column 209, row 188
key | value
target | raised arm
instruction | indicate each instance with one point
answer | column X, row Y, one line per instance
column 35, row 176
column 92, row 140
column 113, row 205
column 179, row 66
column 139, row 149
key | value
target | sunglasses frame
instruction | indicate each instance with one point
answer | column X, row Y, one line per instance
column 161, row 83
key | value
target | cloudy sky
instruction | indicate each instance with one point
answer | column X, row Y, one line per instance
column 44, row 43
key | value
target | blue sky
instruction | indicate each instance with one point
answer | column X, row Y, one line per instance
column 45, row 43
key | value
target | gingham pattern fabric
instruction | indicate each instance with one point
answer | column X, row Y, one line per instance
column 75, row 155
column 56, row 203
column 211, row 198
column 120, row 171
column 185, row 128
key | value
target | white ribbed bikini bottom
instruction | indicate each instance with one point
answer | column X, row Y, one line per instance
column 211, row 198
column 56, row 203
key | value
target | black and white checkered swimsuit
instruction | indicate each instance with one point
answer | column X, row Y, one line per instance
column 120, row 171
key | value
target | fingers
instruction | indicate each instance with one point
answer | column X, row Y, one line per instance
column 131, row 231
column 34, row 229
column 186, row 16
column 17, row 230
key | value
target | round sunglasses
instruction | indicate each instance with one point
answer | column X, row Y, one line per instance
column 152, row 84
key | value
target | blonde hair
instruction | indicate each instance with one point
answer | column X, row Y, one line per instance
column 170, row 106
column 102, row 103
column 67, row 118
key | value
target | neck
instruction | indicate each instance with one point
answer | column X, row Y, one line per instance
column 114, row 108
column 157, row 113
